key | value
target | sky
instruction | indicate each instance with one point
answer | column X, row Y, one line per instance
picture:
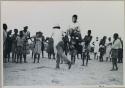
column 102, row 17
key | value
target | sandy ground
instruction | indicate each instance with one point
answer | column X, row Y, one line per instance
column 44, row 73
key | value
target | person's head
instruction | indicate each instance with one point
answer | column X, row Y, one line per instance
column 37, row 34
column 15, row 31
column 89, row 32
column 115, row 36
column 74, row 18
column 5, row 27
column 40, row 34
column 21, row 33
column 109, row 38
column 97, row 38
column 25, row 28
column 104, row 38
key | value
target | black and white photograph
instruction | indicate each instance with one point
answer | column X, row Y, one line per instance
column 62, row 43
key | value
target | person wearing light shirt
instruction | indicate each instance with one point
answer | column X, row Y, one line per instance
column 114, row 51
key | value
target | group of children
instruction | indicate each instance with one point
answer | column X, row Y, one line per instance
column 72, row 43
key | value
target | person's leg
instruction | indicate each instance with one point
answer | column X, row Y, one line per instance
column 58, row 61
column 25, row 61
column 12, row 56
column 106, row 59
column 5, row 57
column 83, row 58
column 103, row 57
column 81, row 55
column 21, row 58
column 66, row 52
column 71, row 58
column 42, row 53
column 112, row 64
column 94, row 55
column 65, row 59
column 38, row 58
column 49, row 56
column 97, row 57
column 77, row 55
column 115, row 63
column 34, row 57
column 32, row 54
column 18, row 56
column 53, row 55
column 87, row 58
column 9, row 57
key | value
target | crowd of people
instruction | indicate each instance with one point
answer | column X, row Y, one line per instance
column 72, row 44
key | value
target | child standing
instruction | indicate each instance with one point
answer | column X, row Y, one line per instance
column 37, row 47
column 108, row 49
column 14, row 44
column 102, row 48
column 20, row 42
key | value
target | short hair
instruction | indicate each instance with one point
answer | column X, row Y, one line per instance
column 89, row 31
column 75, row 16
column 26, row 27
column 5, row 26
column 16, row 30
column 116, row 35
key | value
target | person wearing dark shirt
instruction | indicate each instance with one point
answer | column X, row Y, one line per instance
column 50, row 48
column 102, row 48
column 8, row 45
column 66, row 43
column 14, row 44
column 87, row 39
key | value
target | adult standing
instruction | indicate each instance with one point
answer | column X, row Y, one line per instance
column 4, row 40
column 114, row 51
column 87, row 39
column 8, row 45
column 26, row 51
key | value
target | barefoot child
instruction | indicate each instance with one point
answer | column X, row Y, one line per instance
column 20, row 41
column 37, row 47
